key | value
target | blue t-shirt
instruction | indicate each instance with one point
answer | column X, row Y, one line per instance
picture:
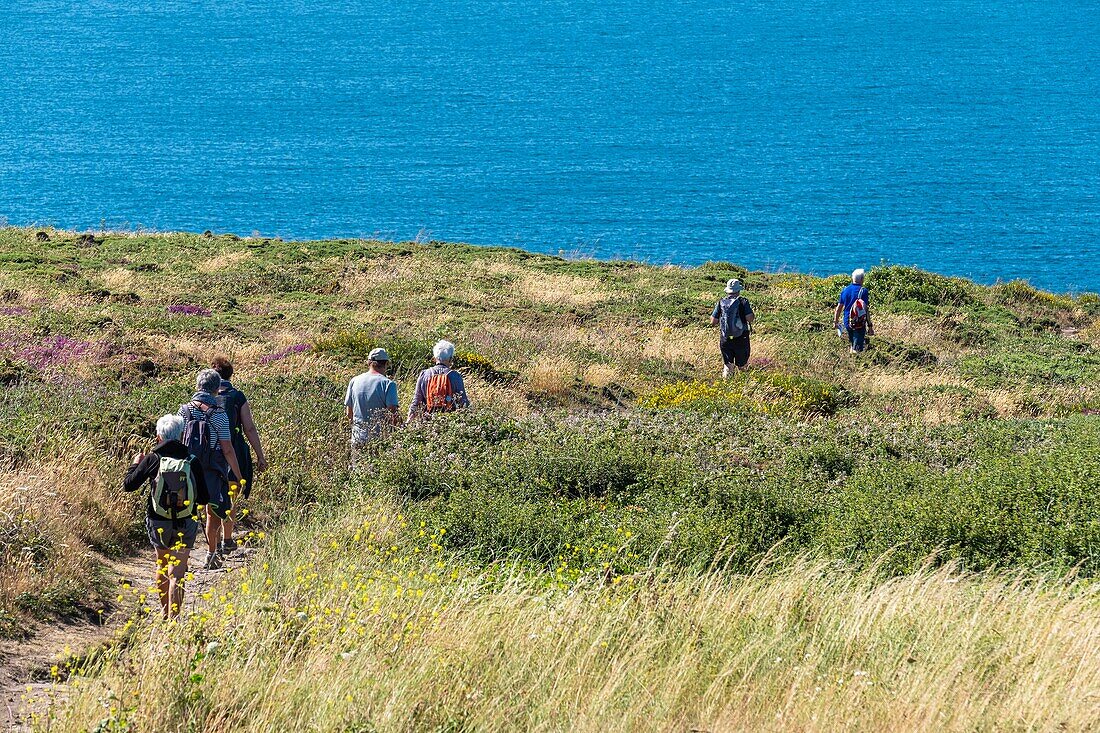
column 850, row 295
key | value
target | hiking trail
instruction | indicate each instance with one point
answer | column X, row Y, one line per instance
column 25, row 663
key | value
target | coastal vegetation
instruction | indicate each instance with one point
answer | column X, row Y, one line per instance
column 611, row 538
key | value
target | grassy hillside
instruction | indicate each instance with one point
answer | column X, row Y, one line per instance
column 610, row 538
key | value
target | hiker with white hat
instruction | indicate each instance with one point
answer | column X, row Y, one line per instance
column 734, row 316
column 371, row 403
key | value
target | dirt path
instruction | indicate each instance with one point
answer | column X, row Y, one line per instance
column 25, row 665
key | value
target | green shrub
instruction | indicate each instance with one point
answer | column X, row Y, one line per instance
column 894, row 283
column 1055, row 361
column 909, row 308
column 1029, row 509
column 1017, row 292
column 407, row 356
column 883, row 352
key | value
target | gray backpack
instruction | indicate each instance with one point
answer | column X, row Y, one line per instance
column 733, row 321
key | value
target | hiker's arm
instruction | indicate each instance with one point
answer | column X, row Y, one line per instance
column 714, row 320
column 392, row 408
column 253, row 436
column 419, row 397
column 231, row 457
column 139, row 472
column 837, row 314
column 459, row 387
column 350, row 414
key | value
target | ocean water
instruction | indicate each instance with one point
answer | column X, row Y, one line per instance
column 962, row 136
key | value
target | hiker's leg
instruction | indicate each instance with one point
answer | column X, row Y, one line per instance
column 729, row 358
column 228, row 523
column 163, row 572
column 743, row 350
column 213, row 530
column 177, row 571
column 859, row 340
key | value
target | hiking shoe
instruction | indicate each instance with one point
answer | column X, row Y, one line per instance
column 213, row 561
column 225, row 547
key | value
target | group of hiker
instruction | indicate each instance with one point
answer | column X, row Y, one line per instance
column 372, row 406
column 734, row 317
column 204, row 454
column 203, row 457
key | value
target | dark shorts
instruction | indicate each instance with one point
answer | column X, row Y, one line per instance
column 735, row 351
column 166, row 534
column 217, row 485
column 857, row 338
column 244, row 460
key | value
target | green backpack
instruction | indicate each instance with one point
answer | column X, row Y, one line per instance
column 174, row 490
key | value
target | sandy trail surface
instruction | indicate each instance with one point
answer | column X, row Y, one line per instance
column 26, row 683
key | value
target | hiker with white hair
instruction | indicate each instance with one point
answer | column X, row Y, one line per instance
column 177, row 486
column 734, row 316
column 854, row 306
column 439, row 388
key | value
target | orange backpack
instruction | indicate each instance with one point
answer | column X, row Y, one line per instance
column 439, row 395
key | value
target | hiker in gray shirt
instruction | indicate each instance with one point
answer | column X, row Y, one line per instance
column 371, row 402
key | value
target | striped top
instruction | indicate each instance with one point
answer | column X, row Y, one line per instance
column 219, row 423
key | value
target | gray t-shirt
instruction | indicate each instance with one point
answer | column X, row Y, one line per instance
column 369, row 395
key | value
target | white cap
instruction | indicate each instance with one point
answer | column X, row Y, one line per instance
column 379, row 354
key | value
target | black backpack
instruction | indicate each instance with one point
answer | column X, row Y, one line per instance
column 231, row 400
column 196, row 433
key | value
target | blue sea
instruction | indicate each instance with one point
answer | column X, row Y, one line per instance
column 962, row 136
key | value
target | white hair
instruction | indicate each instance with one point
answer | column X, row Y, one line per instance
column 170, row 427
column 208, row 380
column 443, row 351
column 857, row 276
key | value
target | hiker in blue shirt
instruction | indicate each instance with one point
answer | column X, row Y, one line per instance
column 855, row 306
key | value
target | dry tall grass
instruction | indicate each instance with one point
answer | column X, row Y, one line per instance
column 50, row 514
column 380, row 632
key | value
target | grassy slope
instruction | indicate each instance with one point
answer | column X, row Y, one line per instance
column 561, row 502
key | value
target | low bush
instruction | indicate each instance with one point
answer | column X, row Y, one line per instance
column 894, row 283
column 407, row 356
column 1056, row 361
column 761, row 391
column 883, row 352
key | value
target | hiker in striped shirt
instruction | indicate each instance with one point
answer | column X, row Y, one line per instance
column 206, row 434
column 439, row 388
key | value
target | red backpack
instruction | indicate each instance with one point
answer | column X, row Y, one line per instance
column 857, row 315
column 439, row 395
